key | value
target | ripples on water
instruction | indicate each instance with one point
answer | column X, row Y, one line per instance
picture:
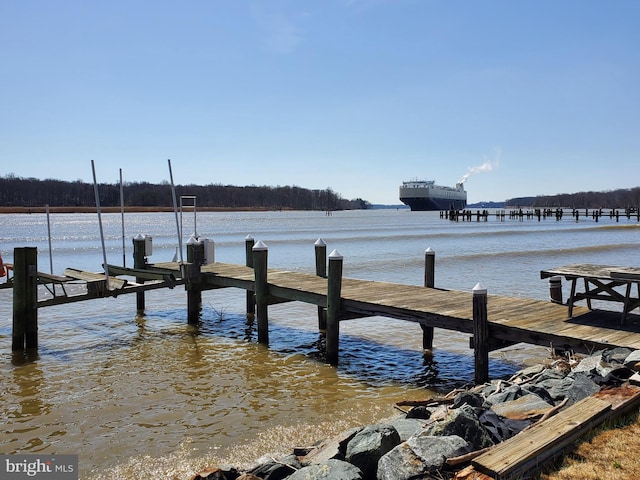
column 137, row 396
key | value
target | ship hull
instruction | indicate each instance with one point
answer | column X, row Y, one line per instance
column 425, row 204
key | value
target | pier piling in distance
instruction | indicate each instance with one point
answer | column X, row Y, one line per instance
column 25, row 298
column 334, row 291
column 249, row 242
column 260, row 253
column 429, row 282
column 195, row 257
column 320, row 248
column 480, row 334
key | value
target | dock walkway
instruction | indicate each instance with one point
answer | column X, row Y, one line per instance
column 492, row 321
column 510, row 319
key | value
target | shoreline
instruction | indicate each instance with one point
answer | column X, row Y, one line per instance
column 130, row 209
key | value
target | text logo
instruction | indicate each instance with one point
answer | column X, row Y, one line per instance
column 44, row 467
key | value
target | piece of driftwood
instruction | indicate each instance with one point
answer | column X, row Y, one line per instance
column 453, row 461
column 431, row 402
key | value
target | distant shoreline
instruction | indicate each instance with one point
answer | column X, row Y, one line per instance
column 129, row 209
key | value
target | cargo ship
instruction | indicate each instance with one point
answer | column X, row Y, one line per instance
column 425, row 195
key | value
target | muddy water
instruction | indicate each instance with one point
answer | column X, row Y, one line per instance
column 141, row 395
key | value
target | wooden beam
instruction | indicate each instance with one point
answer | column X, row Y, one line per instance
column 528, row 449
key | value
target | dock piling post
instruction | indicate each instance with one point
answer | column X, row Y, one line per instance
column 139, row 261
column 260, row 253
column 195, row 255
column 25, row 298
column 555, row 289
column 480, row 334
column 249, row 242
column 334, row 291
column 429, row 282
column 320, row 248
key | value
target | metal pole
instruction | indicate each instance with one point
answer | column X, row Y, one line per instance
column 104, row 250
column 50, row 251
column 175, row 210
column 124, row 255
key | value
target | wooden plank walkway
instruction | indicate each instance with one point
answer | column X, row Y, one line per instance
column 492, row 321
column 516, row 320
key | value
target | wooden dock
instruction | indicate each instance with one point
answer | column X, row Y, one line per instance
column 535, row 322
column 492, row 321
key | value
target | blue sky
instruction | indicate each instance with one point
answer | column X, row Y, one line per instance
column 525, row 97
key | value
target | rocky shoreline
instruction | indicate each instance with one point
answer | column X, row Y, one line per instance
column 438, row 437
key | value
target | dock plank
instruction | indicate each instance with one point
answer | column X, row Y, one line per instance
column 94, row 278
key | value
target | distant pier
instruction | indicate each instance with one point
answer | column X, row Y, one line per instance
column 541, row 214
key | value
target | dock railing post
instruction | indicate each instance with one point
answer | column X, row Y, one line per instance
column 334, row 291
column 25, row 299
column 320, row 248
column 195, row 255
column 555, row 289
column 249, row 242
column 139, row 261
column 260, row 254
column 429, row 282
column 480, row 334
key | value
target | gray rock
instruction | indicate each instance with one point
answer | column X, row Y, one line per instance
column 419, row 455
column 328, row 470
column 407, row 427
column 277, row 470
column 575, row 386
column 524, row 408
column 467, row 398
column 511, row 392
column 463, row 422
column 368, row 445
column 632, row 360
column 531, row 371
column 419, row 412
column 588, row 365
column 616, row 355
column 333, row 448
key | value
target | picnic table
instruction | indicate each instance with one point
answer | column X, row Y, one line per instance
column 600, row 283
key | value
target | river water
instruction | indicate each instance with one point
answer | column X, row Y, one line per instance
column 136, row 396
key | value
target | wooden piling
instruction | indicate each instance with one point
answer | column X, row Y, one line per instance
column 260, row 253
column 480, row 334
column 334, row 291
column 195, row 257
column 320, row 248
column 25, row 298
column 139, row 261
column 429, row 282
column 249, row 242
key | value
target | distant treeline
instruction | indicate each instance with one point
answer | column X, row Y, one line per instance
column 621, row 198
column 31, row 192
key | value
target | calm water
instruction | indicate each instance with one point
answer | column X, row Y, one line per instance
column 149, row 395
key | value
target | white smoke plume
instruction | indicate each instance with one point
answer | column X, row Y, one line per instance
column 487, row 166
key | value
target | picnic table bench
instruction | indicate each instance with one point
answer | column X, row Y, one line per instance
column 600, row 282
